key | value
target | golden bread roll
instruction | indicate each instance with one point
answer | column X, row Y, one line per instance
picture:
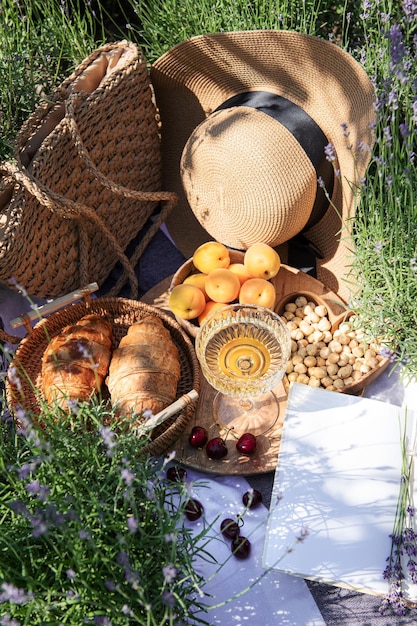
column 145, row 369
column 76, row 362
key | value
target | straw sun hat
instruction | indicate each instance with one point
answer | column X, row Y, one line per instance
column 251, row 121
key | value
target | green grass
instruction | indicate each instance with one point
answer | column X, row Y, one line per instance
column 40, row 42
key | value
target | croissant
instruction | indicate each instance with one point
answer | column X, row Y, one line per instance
column 145, row 369
column 76, row 362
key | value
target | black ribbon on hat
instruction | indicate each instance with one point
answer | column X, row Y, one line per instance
column 313, row 141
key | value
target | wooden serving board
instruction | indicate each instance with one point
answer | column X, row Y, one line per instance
column 289, row 283
column 264, row 458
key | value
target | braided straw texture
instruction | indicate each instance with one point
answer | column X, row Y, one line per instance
column 73, row 203
column 122, row 312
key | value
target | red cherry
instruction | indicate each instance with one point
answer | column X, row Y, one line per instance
column 193, row 509
column 198, row 437
column 229, row 528
column 216, row 448
column 240, row 547
column 252, row 498
column 176, row 474
column 246, row 444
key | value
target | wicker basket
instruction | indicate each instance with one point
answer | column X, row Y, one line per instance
column 122, row 313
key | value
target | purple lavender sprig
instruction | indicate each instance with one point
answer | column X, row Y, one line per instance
column 402, row 561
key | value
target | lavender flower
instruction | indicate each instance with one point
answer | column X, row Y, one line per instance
column 403, row 541
column 386, row 353
column 132, row 524
column 34, row 488
column 367, row 5
column 102, row 620
column 19, row 288
column 84, row 534
column 19, row 507
column 127, row 476
column 26, row 427
column 25, row 470
column 126, row 610
column 394, row 599
column 15, row 378
column 122, row 558
column 330, row 152
column 13, row 594
column 409, row 8
column 169, row 572
column 108, row 437
column 85, row 353
column 399, row 63
column 39, row 525
column 110, row 586
column 168, row 598
column 303, row 534
column 70, row 574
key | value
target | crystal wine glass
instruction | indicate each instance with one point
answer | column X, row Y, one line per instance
column 243, row 350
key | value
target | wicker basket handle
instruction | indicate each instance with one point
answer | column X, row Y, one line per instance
column 39, row 312
column 6, row 338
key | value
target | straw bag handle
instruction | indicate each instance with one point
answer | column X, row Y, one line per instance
column 69, row 209
column 169, row 198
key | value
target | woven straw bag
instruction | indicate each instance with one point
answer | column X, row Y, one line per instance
column 85, row 180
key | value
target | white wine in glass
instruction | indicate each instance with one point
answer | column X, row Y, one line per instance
column 243, row 351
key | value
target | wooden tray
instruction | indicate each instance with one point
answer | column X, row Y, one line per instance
column 288, row 283
column 263, row 460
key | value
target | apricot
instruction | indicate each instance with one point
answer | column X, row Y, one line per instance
column 198, row 280
column 211, row 255
column 187, row 301
column 240, row 270
column 222, row 285
column 262, row 261
column 258, row 291
column 210, row 307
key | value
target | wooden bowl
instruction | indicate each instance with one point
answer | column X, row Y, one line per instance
column 187, row 268
column 336, row 316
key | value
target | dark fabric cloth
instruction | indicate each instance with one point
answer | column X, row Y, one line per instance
column 159, row 260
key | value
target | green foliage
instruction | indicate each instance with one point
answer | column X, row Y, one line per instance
column 385, row 227
column 39, row 43
column 92, row 531
column 163, row 23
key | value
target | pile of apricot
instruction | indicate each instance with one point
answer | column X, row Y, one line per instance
column 217, row 281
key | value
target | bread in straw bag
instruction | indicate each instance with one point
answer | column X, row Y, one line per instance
column 85, row 180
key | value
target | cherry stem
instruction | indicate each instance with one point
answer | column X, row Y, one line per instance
column 227, row 431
